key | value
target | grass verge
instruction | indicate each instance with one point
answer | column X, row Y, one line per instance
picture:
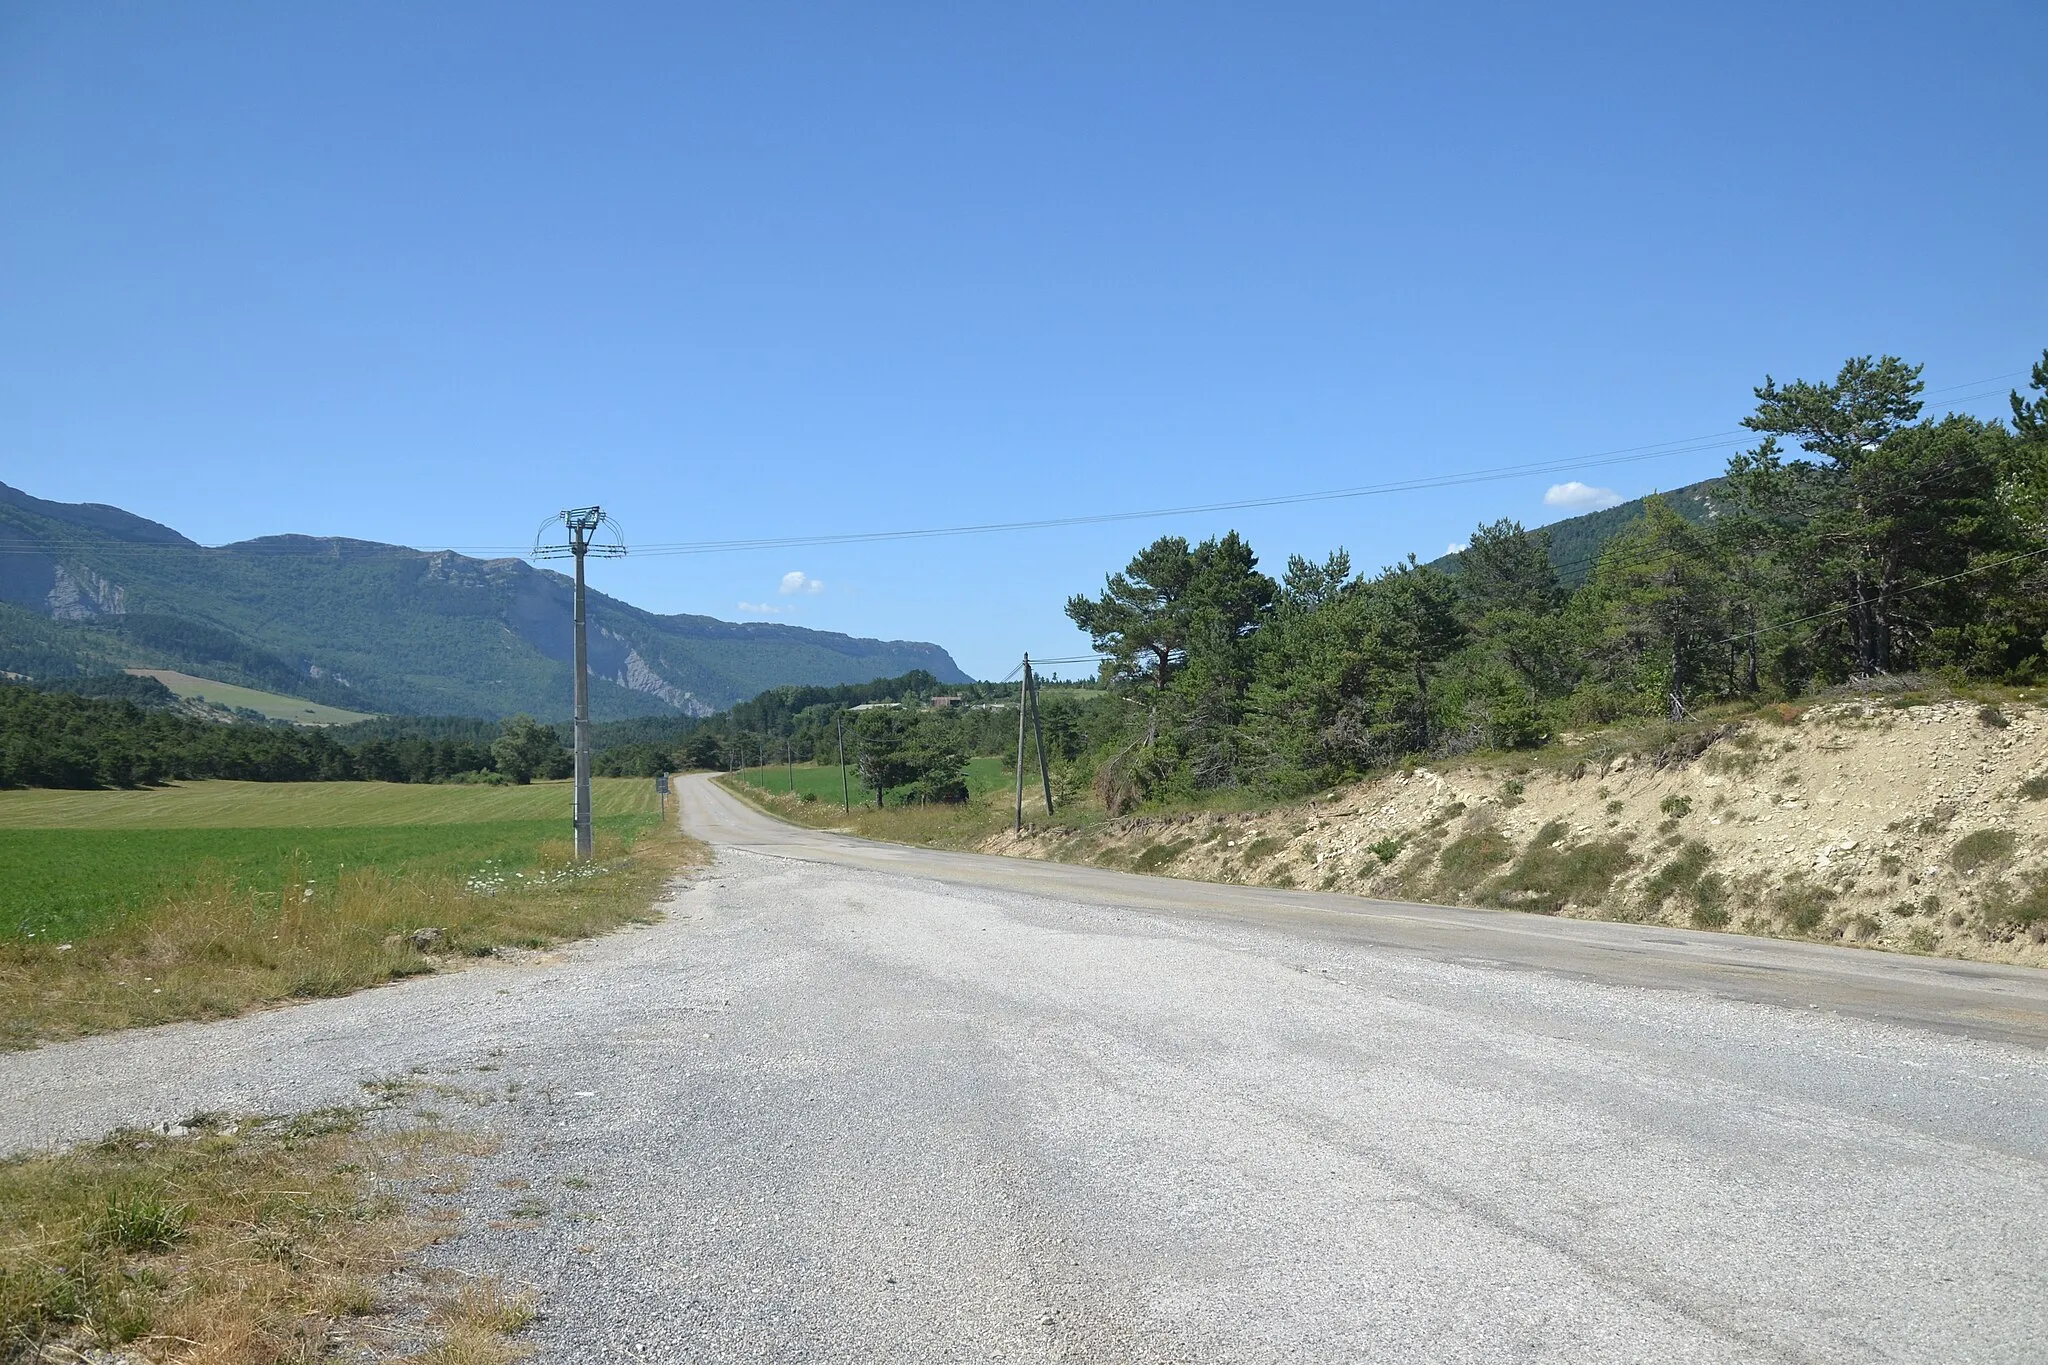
column 244, row 1242
column 224, row 938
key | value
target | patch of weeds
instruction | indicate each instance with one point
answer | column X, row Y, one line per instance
column 529, row 1209
column 1991, row 718
column 1858, row 927
column 1710, row 902
column 2006, row 908
column 575, row 1182
column 1920, row 939
column 1982, row 849
column 277, row 1235
column 1511, row 792
column 1259, row 849
column 1891, row 864
column 1159, row 855
column 1666, row 826
column 1679, row 876
column 1285, row 881
column 2035, row 787
column 1470, row 859
column 1801, row 906
column 1614, row 807
column 1781, row 713
column 1447, row 814
column 1677, row 807
column 1553, row 873
column 140, row 1220
column 1387, row 849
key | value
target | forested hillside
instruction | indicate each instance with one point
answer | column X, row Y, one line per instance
column 372, row 627
column 1882, row 541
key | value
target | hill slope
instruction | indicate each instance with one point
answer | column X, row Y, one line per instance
column 373, row 627
column 1576, row 542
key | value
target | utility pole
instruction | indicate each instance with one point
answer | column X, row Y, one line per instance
column 583, row 524
column 1023, row 695
column 1038, row 732
column 789, row 753
column 845, row 793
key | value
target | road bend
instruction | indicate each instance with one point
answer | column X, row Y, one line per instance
column 861, row 1102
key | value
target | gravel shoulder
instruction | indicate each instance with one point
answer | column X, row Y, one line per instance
column 827, row 1111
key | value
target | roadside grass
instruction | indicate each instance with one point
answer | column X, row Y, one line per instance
column 241, row 1241
column 988, row 809
column 205, row 923
column 821, row 781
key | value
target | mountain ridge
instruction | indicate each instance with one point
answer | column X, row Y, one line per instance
column 379, row 627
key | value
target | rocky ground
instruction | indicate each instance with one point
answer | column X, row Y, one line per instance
column 1919, row 828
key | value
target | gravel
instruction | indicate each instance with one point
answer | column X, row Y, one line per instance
column 830, row 1113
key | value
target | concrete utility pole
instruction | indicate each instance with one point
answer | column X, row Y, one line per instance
column 583, row 524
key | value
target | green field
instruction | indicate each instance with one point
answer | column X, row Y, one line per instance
column 822, row 781
column 72, row 862
column 272, row 705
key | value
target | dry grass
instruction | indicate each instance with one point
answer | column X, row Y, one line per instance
column 217, row 950
column 241, row 1242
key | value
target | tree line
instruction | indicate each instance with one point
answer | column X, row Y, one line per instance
column 1887, row 542
column 61, row 738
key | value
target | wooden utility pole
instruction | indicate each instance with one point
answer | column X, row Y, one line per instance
column 1023, row 696
column 845, row 793
column 789, row 752
column 1038, row 732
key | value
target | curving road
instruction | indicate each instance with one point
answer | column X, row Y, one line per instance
column 855, row 1102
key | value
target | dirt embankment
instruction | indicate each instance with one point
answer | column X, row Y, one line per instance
column 1921, row 829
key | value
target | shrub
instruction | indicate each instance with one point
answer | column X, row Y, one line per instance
column 1677, row 807
column 1992, row 718
column 1981, row 849
column 1801, row 906
column 1259, row 849
column 1511, row 792
column 1387, row 849
column 1681, row 875
column 1159, row 855
column 2035, row 787
column 1467, row 860
column 2023, row 909
column 1552, row 874
column 1710, row 902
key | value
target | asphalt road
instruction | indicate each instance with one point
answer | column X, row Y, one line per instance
column 863, row 1103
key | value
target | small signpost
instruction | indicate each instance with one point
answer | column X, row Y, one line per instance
column 661, row 790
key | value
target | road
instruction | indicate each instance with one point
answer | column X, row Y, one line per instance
column 853, row 1102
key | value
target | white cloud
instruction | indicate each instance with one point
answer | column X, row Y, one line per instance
column 1456, row 547
column 762, row 608
column 797, row 581
column 1580, row 497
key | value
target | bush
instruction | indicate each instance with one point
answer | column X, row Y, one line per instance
column 1553, row 874
column 1387, row 849
column 2035, row 787
column 1981, row 849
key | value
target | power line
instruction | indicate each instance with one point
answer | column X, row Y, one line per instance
column 344, row 546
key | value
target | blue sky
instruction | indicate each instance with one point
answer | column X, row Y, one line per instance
column 423, row 273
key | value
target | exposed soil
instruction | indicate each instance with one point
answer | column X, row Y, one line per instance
column 1913, row 828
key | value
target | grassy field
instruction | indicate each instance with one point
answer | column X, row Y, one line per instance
column 316, row 805
column 984, row 775
column 133, row 907
column 272, row 705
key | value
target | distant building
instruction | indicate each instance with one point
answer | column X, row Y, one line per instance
column 940, row 703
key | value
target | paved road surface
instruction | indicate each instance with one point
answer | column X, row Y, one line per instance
column 862, row 1103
